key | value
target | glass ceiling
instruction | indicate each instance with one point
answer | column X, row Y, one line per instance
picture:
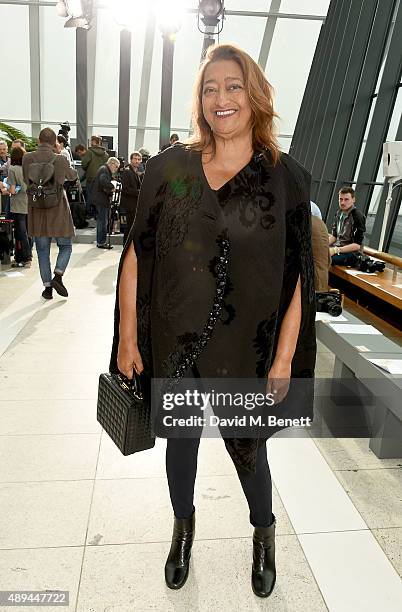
column 291, row 51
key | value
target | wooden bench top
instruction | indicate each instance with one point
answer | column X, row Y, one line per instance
column 394, row 260
column 386, row 285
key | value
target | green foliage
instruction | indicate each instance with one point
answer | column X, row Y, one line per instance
column 10, row 133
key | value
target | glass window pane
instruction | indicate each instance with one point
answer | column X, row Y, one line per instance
column 154, row 99
column 57, row 65
column 374, row 203
column 396, row 117
column 389, row 37
column 359, row 162
column 187, row 56
column 138, row 31
column 151, row 141
column 245, row 32
column 26, row 128
column 131, row 141
column 395, row 246
column 250, row 5
column 284, row 143
column 288, row 67
column 106, row 94
column 305, row 7
column 16, row 96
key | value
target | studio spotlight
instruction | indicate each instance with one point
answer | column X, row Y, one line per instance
column 211, row 13
column 79, row 12
column 77, row 22
column 61, row 9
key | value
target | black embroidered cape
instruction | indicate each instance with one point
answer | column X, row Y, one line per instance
column 217, row 271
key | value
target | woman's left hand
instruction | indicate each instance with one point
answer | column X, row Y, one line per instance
column 279, row 379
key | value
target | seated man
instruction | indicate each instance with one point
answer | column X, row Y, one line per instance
column 319, row 243
column 348, row 229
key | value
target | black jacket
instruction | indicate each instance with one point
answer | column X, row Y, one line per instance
column 353, row 230
column 102, row 187
column 188, row 246
column 130, row 188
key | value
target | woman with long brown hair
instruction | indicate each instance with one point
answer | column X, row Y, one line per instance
column 215, row 281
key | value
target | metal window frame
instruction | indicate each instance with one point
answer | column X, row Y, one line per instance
column 320, row 84
column 363, row 100
column 387, row 93
column 85, row 50
column 268, row 34
column 307, row 103
column 335, row 36
column 124, row 93
column 35, row 71
column 393, row 215
column 338, row 120
column 166, row 89
column 145, row 81
column 350, row 19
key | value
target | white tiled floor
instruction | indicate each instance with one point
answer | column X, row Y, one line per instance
column 76, row 515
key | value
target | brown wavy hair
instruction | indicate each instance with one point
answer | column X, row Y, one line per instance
column 260, row 94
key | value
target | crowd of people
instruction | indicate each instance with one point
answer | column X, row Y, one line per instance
column 39, row 217
column 98, row 177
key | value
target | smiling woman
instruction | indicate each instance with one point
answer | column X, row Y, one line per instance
column 219, row 260
column 231, row 83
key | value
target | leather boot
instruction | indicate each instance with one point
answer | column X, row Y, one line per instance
column 47, row 293
column 263, row 575
column 177, row 563
column 57, row 283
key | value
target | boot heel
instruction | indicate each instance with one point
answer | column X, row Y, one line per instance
column 177, row 563
column 263, row 574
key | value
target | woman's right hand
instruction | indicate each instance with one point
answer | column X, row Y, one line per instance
column 129, row 358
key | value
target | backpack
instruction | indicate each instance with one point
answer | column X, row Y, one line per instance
column 43, row 189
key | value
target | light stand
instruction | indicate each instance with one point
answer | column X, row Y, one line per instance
column 113, row 208
column 109, row 229
column 388, row 202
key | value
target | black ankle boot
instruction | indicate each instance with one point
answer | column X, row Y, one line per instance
column 263, row 574
column 177, row 563
column 57, row 283
column 47, row 293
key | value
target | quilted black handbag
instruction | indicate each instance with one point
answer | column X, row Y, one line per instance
column 124, row 411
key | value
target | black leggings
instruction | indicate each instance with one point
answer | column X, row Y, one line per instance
column 181, row 468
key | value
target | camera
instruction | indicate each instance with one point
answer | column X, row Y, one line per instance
column 65, row 128
column 122, row 164
column 367, row 264
column 329, row 301
column 364, row 263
